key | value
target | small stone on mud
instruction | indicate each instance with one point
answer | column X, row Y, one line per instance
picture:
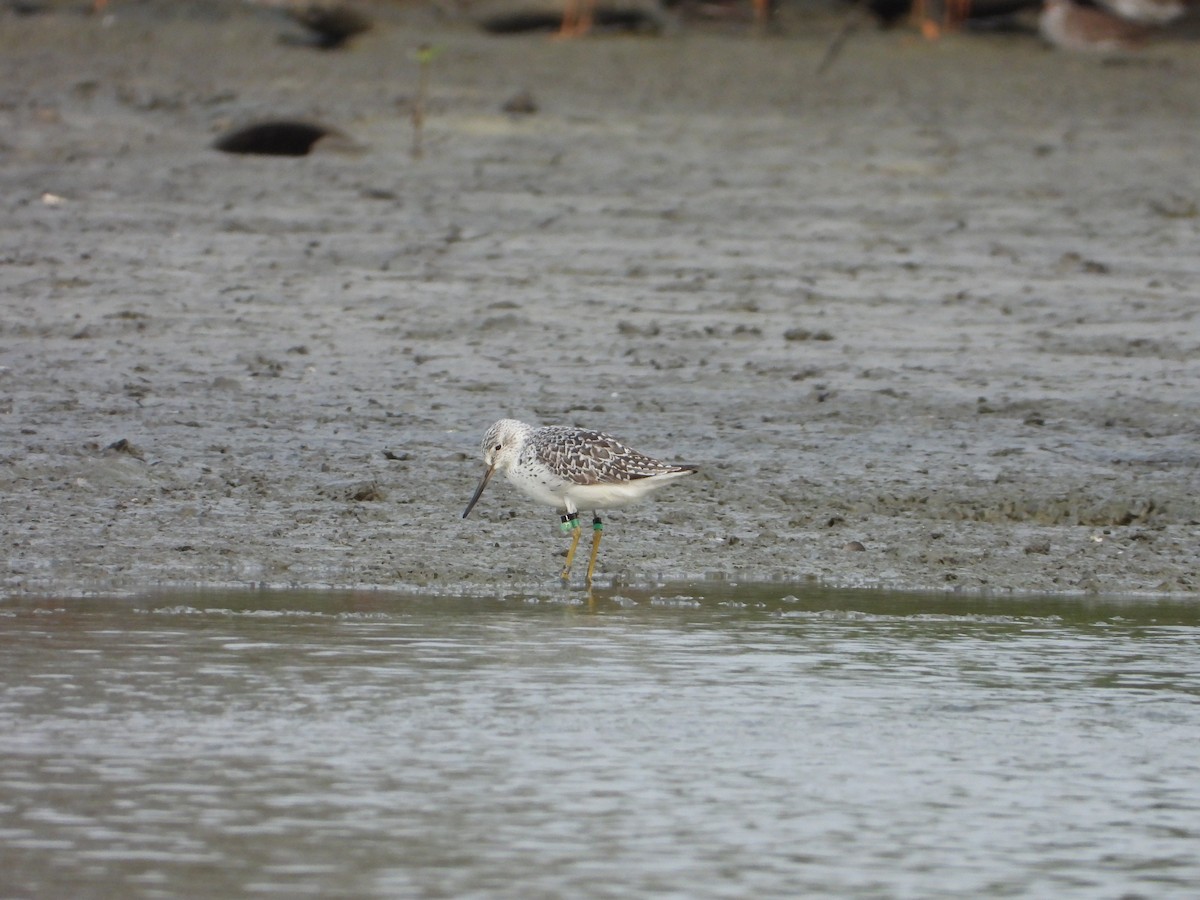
column 807, row 334
column 1174, row 206
column 631, row 330
column 1072, row 263
column 123, row 446
column 853, row 546
column 520, row 104
column 357, row 491
column 368, row 492
column 331, row 25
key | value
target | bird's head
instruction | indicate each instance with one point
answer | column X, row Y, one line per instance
column 501, row 445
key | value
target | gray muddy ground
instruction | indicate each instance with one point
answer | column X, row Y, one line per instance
column 940, row 300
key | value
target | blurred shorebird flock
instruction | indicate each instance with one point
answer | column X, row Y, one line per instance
column 1105, row 26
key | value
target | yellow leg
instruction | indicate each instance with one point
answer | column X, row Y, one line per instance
column 577, row 18
column 597, row 531
column 571, row 523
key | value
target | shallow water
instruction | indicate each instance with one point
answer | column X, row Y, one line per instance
column 703, row 741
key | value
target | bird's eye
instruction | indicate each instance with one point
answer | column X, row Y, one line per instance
column 497, row 447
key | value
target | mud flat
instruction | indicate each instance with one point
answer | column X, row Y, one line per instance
column 940, row 300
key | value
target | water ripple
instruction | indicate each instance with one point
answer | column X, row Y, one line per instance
column 680, row 743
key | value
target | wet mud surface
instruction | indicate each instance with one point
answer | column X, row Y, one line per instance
column 940, row 300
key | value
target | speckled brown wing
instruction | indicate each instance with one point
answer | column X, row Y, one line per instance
column 591, row 457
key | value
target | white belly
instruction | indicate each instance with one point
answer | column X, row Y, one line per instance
column 570, row 497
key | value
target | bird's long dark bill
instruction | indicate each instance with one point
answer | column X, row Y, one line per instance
column 487, row 476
